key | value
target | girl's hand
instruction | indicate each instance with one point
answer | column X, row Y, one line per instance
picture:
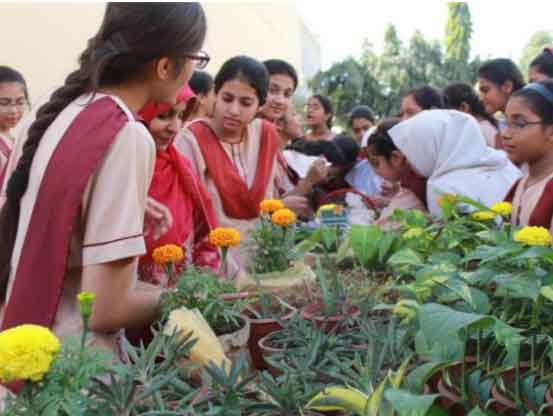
column 157, row 218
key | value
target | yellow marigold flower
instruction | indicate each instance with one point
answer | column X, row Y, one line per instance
column 86, row 299
column 283, row 217
column 224, row 237
column 483, row 215
column 169, row 253
column 268, row 206
column 533, row 236
column 413, row 233
column 446, row 197
column 502, row 208
column 26, row 352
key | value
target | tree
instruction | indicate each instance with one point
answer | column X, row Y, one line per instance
column 458, row 33
column 533, row 47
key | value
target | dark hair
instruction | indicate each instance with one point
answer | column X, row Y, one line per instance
column 541, row 105
column 426, row 97
column 361, row 111
column 458, row 93
column 201, row 83
column 327, row 107
column 380, row 142
column 280, row 67
column 130, row 36
column 501, row 70
column 544, row 62
column 349, row 147
column 8, row 74
column 245, row 69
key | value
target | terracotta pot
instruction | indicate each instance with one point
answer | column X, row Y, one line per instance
column 258, row 329
column 449, row 398
column 267, row 351
column 314, row 313
column 502, row 404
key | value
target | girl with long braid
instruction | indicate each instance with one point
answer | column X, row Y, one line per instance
column 74, row 215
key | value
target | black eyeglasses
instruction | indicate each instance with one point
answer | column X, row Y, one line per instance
column 202, row 59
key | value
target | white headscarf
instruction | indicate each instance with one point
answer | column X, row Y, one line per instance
column 448, row 148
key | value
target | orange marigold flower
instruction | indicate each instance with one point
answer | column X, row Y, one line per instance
column 283, row 217
column 268, row 206
column 224, row 237
column 169, row 253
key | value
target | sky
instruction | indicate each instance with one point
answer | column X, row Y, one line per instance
column 500, row 28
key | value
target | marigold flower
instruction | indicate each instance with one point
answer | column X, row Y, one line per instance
column 86, row 299
column 450, row 198
column 26, row 352
column 502, row 208
column 224, row 237
column 413, row 233
column 533, row 236
column 169, row 253
column 283, row 217
column 268, row 206
column 483, row 215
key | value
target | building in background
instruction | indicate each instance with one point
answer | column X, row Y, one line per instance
column 43, row 40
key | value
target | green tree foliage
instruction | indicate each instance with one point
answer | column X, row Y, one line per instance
column 379, row 80
column 457, row 41
column 533, row 47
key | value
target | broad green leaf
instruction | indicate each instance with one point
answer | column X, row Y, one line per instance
column 406, row 257
column 439, row 322
column 343, row 249
column 547, row 292
column 409, row 404
column 385, row 244
column 364, row 242
column 518, row 286
column 417, row 378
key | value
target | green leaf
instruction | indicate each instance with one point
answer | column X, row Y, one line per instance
column 409, row 404
column 439, row 322
column 547, row 292
column 406, row 257
column 419, row 376
column 385, row 244
column 364, row 242
column 519, row 286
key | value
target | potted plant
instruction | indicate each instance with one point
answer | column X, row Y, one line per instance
column 274, row 263
column 333, row 310
column 201, row 289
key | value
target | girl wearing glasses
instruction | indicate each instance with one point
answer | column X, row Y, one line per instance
column 13, row 101
column 76, row 201
column 528, row 138
column 234, row 153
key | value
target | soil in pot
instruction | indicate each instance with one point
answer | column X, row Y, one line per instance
column 260, row 327
column 315, row 314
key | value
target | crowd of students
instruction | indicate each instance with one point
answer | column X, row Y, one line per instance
column 87, row 194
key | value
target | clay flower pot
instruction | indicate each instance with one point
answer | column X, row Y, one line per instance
column 315, row 314
column 259, row 328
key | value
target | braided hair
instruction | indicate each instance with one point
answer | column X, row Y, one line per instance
column 130, row 37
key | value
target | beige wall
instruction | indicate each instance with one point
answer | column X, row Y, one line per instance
column 43, row 41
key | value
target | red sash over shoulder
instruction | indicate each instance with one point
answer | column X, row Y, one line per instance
column 5, row 150
column 39, row 277
column 238, row 201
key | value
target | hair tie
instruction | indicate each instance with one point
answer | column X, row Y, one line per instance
column 548, row 49
column 541, row 90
